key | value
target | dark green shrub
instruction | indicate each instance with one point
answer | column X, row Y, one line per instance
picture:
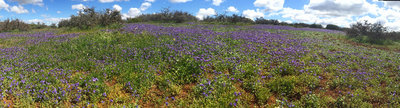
column 332, row 27
column 283, row 86
column 376, row 33
column 266, row 21
column 89, row 18
column 11, row 25
column 222, row 18
column 109, row 17
column 311, row 101
column 165, row 16
column 284, row 69
column 316, row 26
column 184, row 70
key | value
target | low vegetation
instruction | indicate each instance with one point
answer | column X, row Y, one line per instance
column 89, row 18
column 374, row 33
column 165, row 16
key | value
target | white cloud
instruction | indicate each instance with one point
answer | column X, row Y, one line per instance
column 150, row 0
column 252, row 14
column 179, row 1
column 270, row 5
column 339, row 7
column 18, row 9
column 133, row 12
column 3, row 5
column 35, row 2
column 47, row 21
column 205, row 12
column 307, row 17
column 33, row 11
column 392, row 4
column 145, row 6
column 109, row 1
column 217, row 2
column 117, row 7
column 58, row 12
column 78, row 6
column 232, row 9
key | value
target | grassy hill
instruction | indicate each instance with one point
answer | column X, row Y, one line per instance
column 196, row 65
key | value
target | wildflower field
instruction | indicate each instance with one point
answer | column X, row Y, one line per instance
column 195, row 65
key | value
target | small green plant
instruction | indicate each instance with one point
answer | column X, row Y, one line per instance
column 284, row 86
column 311, row 101
column 184, row 70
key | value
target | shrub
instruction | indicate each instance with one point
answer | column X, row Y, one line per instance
column 38, row 25
column 266, row 21
column 311, row 101
column 376, row 33
column 184, row 70
column 316, row 26
column 89, row 18
column 222, row 18
column 11, row 25
column 165, row 16
column 283, row 86
column 332, row 27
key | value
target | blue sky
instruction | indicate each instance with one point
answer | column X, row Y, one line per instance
column 339, row 12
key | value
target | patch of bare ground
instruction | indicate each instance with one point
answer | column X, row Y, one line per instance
column 8, row 101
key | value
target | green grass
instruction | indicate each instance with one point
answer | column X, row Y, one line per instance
column 142, row 70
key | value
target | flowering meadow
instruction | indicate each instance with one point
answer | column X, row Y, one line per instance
column 195, row 65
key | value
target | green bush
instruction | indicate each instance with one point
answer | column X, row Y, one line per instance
column 184, row 70
column 221, row 18
column 310, row 81
column 266, row 21
column 311, row 101
column 165, row 16
column 12, row 25
column 89, row 18
column 284, row 69
column 332, row 27
column 375, row 33
column 283, row 86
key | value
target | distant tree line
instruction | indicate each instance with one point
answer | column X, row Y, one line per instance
column 89, row 18
column 165, row 16
column 314, row 25
column 9, row 25
column 374, row 33
column 223, row 18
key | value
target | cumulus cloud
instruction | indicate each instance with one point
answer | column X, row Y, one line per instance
column 18, row 9
column 3, row 5
column 150, row 0
column 217, row 2
column 145, row 6
column 270, row 5
column 308, row 17
column 109, row 1
column 339, row 7
column 392, row 4
column 205, row 12
column 133, row 12
column 232, row 9
column 252, row 14
column 179, row 1
column 47, row 21
column 117, row 7
column 78, row 6
column 58, row 12
column 35, row 2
